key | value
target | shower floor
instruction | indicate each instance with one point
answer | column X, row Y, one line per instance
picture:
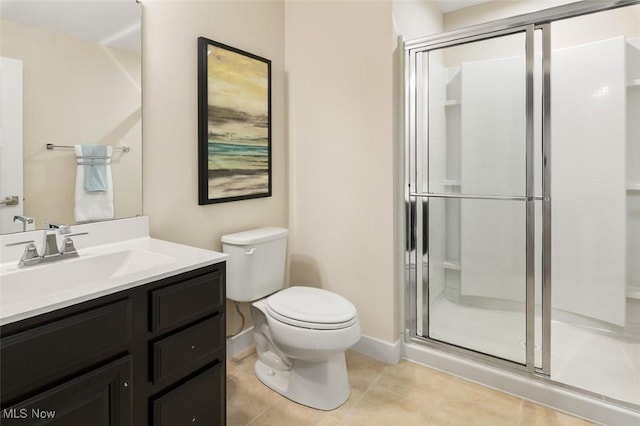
column 580, row 357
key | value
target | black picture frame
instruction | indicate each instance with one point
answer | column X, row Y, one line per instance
column 234, row 124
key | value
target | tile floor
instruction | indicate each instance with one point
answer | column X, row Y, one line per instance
column 397, row 395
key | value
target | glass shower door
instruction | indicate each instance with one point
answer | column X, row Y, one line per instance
column 474, row 192
column 595, row 242
column 524, row 175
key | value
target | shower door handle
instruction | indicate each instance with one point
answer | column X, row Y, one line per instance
column 475, row 196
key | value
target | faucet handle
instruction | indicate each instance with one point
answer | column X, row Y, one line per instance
column 76, row 234
column 19, row 243
column 64, row 229
column 30, row 255
column 30, row 252
column 68, row 248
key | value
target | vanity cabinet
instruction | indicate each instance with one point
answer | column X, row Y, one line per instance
column 187, row 351
column 153, row 354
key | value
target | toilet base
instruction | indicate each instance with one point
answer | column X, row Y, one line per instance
column 322, row 385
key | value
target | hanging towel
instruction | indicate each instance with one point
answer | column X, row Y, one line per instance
column 95, row 160
column 93, row 205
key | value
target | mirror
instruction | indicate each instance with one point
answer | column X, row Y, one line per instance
column 75, row 68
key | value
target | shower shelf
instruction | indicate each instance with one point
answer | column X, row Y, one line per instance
column 452, row 102
column 452, row 266
column 633, row 83
column 633, row 186
column 446, row 186
column 633, row 292
column 446, row 182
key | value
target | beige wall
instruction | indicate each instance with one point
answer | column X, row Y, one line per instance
column 170, row 32
column 74, row 92
column 339, row 68
column 336, row 157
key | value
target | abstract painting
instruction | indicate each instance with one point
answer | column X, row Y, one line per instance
column 234, row 124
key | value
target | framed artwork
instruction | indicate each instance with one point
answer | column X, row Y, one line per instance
column 234, row 124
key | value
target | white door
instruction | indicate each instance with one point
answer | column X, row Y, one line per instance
column 10, row 144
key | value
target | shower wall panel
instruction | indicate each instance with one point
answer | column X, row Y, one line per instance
column 633, row 176
column 588, row 180
column 493, row 163
column 588, row 192
column 436, row 163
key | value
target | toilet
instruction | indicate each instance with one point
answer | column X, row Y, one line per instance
column 301, row 333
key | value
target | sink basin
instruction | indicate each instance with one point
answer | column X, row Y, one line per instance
column 66, row 275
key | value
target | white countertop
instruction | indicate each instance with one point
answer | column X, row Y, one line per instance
column 100, row 270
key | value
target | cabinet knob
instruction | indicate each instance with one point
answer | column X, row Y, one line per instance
column 193, row 420
column 193, row 347
column 126, row 384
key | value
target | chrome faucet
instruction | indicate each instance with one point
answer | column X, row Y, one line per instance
column 26, row 221
column 50, row 250
column 50, row 242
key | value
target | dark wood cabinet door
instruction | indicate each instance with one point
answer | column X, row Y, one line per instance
column 99, row 398
column 42, row 355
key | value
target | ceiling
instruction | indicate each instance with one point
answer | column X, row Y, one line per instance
column 446, row 6
column 111, row 22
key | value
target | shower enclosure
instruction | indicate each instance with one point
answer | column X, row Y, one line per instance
column 523, row 195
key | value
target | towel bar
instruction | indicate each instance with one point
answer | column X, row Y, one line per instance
column 51, row 146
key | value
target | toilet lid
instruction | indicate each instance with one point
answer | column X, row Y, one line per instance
column 312, row 308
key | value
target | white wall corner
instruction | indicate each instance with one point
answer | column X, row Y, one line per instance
column 379, row 349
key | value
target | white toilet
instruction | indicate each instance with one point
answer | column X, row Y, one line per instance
column 301, row 333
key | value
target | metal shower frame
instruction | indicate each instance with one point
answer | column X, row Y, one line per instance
column 413, row 191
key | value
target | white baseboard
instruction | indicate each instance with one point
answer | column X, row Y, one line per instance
column 239, row 343
column 547, row 394
column 369, row 346
column 379, row 349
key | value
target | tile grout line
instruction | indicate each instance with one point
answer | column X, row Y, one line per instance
column 348, row 413
column 521, row 412
column 266, row 408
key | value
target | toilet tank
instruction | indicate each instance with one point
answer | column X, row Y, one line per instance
column 256, row 263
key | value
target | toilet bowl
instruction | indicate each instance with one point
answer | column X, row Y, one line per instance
column 301, row 333
column 300, row 353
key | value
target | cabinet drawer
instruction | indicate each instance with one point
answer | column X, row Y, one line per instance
column 187, row 301
column 189, row 349
column 43, row 354
column 199, row 401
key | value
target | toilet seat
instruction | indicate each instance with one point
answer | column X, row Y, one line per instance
column 313, row 308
